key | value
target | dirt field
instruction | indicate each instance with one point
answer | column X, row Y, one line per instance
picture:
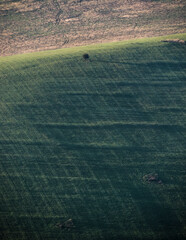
column 34, row 25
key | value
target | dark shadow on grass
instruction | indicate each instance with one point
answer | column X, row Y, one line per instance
column 101, row 61
column 156, row 64
column 60, row 127
column 156, row 211
column 147, row 84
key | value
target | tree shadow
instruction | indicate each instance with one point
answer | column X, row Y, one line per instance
column 175, row 65
column 101, row 61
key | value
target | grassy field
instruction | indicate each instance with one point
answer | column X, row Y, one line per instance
column 35, row 25
column 77, row 137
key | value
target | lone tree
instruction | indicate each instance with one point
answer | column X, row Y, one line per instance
column 86, row 56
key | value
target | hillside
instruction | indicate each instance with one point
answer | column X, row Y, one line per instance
column 34, row 25
column 79, row 138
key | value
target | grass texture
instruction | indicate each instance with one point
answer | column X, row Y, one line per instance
column 77, row 137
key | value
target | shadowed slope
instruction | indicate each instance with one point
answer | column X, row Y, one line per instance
column 77, row 138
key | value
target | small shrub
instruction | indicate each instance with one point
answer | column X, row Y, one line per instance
column 86, row 56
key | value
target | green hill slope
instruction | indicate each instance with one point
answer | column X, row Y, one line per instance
column 77, row 138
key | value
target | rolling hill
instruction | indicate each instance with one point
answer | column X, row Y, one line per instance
column 34, row 25
column 79, row 138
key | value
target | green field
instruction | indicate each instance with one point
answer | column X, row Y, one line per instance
column 77, row 137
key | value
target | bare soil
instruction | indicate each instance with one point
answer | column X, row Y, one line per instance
column 34, row 25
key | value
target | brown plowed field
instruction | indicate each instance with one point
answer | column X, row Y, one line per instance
column 34, row 25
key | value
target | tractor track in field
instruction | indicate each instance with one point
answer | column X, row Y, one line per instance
column 58, row 19
column 59, row 11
